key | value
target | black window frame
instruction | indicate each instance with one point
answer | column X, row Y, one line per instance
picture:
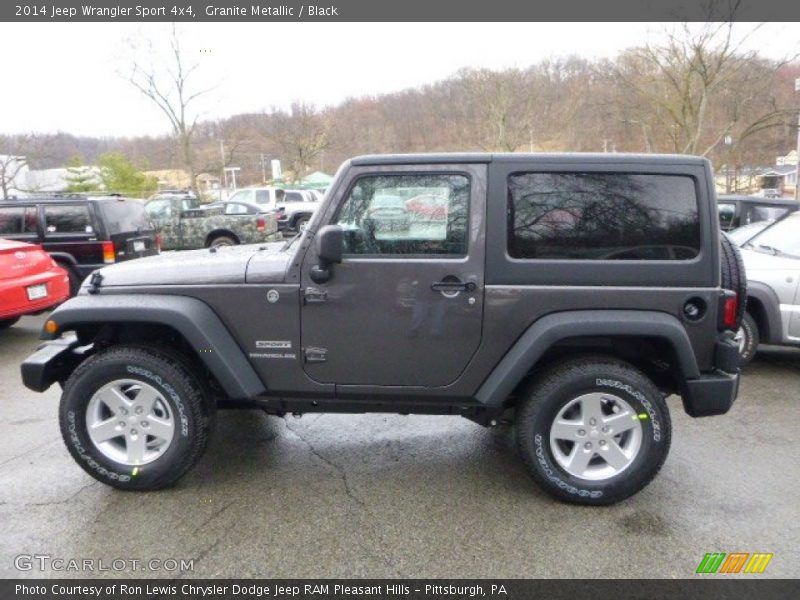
column 411, row 173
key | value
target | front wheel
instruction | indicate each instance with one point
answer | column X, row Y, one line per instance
column 135, row 418
column 593, row 430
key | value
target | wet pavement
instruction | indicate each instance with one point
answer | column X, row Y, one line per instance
column 395, row 496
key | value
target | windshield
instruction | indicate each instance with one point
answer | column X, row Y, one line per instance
column 125, row 216
column 742, row 234
column 780, row 239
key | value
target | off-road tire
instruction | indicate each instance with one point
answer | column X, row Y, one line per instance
column 222, row 240
column 6, row 323
column 175, row 378
column 749, row 329
column 733, row 275
column 552, row 389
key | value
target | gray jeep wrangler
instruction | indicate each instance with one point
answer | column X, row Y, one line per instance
column 571, row 294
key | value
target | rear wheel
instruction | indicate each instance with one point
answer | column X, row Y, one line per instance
column 594, row 430
column 222, row 240
column 747, row 337
column 6, row 323
column 135, row 418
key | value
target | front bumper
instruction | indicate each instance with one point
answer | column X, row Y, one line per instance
column 51, row 362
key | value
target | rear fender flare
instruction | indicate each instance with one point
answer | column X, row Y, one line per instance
column 553, row 328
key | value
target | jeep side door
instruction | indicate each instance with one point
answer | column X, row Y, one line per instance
column 405, row 305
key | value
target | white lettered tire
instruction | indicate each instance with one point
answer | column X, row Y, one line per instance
column 134, row 417
column 593, row 430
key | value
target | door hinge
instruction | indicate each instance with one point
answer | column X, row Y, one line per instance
column 315, row 355
column 312, row 295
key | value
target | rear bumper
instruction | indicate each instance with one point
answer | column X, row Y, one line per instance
column 14, row 295
column 714, row 393
column 51, row 362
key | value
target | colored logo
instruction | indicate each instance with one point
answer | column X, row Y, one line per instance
column 736, row 562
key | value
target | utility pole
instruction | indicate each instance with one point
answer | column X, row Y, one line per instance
column 797, row 166
column 263, row 168
column 224, row 173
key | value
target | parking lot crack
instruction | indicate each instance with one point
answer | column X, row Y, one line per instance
column 339, row 468
column 367, row 514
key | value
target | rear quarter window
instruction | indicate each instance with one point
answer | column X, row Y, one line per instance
column 67, row 218
column 602, row 216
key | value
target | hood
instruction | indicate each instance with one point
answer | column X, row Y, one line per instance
column 226, row 265
column 758, row 265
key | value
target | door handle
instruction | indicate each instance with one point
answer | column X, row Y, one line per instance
column 453, row 286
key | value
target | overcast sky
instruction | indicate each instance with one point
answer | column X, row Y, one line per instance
column 64, row 76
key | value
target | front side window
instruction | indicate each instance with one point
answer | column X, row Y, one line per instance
column 602, row 216
column 67, row 218
column 406, row 215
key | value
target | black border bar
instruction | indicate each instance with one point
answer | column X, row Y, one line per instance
column 398, row 10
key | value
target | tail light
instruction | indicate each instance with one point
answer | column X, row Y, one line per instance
column 731, row 305
column 261, row 223
column 729, row 302
column 109, row 253
column 158, row 242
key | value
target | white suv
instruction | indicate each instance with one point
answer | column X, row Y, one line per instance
column 293, row 208
column 772, row 263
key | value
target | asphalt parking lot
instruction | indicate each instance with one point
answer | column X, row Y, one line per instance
column 394, row 496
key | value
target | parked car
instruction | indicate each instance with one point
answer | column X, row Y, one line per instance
column 772, row 262
column 388, row 213
column 736, row 210
column 427, row 207
column 30, row 281
column 293, row 208
column 184, row 224
column 742, row 235
column 81, row 233
column 500, row 314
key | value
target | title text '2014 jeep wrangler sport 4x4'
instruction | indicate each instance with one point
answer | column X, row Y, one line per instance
column 575, row 292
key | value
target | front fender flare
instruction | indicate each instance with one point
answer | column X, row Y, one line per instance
column 193, row 319
column 553, row 328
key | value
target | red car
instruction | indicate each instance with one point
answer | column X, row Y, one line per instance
column 30, row 281
column 428, row 207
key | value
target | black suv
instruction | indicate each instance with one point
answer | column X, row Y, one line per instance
column 81, row 233
column 570, row 294
column 737, row 210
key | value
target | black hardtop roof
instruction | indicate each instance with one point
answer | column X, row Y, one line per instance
column 543, row 157
column 758, row 199
column 65, row 199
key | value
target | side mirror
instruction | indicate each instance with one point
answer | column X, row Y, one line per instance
column 329, row 240
column 329, row 244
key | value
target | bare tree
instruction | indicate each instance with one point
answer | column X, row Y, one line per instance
column 15, row 154
column 171, row 88
column 302, row 135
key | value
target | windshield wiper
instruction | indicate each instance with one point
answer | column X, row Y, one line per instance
column 772, row 250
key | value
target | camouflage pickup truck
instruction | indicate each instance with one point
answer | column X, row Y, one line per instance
column 184, row 224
